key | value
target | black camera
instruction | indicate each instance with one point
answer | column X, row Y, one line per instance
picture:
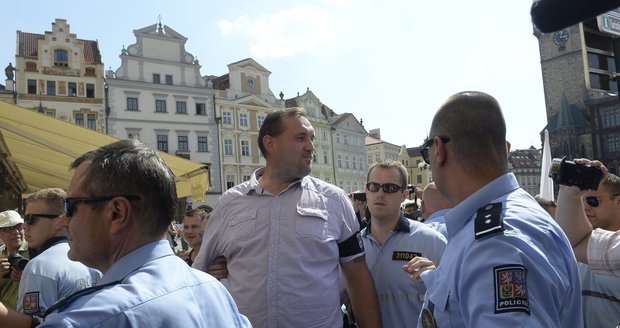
column 361, row 196
column 569, row 173
column 410, row 188
column 16, row 261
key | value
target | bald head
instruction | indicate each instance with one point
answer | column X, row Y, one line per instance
column 433, row 201
column 475, row 125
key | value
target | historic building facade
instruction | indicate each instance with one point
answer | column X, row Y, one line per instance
column 158, row 96
column 60, row 75
column 581, row 93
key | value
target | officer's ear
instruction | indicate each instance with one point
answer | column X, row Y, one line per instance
column 441, row 153
column 118, row 212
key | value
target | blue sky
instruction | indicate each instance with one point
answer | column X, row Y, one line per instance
column 390, row 64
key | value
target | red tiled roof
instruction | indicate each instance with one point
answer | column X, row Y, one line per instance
column 29, row 47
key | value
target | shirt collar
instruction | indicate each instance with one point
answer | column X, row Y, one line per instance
column 437, row 215
column 460, row 215
column 255, row 186
column 401, row 226
column 136, row 259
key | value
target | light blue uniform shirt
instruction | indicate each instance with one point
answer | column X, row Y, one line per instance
column 495, row 280
column 438, row 222
column 51, row 276
column 600, row 298
column 400, row 297
column 283, row 251
column 156, row 289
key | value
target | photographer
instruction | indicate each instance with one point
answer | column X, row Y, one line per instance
column 12, row 235
column 578, row 212
column 359, row 201
column 50, row 275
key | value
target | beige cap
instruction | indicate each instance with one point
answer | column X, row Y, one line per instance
column 10, row 218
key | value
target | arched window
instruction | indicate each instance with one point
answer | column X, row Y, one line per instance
column 61, row 58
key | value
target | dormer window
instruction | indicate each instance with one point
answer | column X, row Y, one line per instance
column 61, row 58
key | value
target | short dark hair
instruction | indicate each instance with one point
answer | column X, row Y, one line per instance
column 612, row 182
column 129, row 167
column 272, row 125
column 475, row 124
column 388, row 164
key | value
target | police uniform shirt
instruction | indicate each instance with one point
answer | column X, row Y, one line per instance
column 507, row 264
column 51, row 276
column 151, row 287
column 600, row 298
column 437, row 221
column 283, row 251
column 400, row 297
column 8, row 287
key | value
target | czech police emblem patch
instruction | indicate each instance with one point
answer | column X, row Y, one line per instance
column 511, row 289
column 31, row 303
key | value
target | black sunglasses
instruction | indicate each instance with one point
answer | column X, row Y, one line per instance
column 29, row 219
column 389, row 188
column 427, row 144
column 17, row 227
column 592, row 201
column 72, row 203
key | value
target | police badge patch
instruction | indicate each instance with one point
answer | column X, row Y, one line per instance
column 31, row 303
column 511, row 289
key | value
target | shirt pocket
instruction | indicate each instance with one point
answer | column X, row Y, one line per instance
column 311, row 223
column 243, row 227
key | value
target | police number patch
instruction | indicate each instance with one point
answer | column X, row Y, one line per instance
column 31, row 303
column 404, row 256
column 511, row 289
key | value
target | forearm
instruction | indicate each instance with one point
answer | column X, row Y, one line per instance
column 571, row 216
column 362, row 293
column 13, row 319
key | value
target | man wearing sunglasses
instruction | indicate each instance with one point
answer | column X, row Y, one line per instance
column 50, row 275
column 12, row 235
column 598, row 211
column 507, row 262
column 391, row 240
column 120, row 201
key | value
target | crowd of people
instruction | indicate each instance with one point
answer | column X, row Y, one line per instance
column 294, row 251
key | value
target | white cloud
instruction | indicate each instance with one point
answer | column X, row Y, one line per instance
column 284, row 33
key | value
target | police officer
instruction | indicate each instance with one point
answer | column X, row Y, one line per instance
column 507, row 262
column 50, row 275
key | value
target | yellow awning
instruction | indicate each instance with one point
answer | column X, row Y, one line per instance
column 43, row 147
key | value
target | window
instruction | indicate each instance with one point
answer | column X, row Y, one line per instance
column 230, row 180
column 51, row 113
column 339, row 161
column 201, row 109
column 260, row 119
column 246, row 177
column 419, row 179
column 160, row 106
column 156, row 78
column 89, row 71
column 314, row 157
column 324, row 134
column 346, row 162
column 168, row 79
column 228, row 147
column 346, row 139
column 133, row 135
column 613, row 144
column 369, row 159
column 132, row 103
column 183, row 144
column 243, row 119
column 226, row 118
column 91, row 121
column 61, row 58
column 245, row 148
column 337, row 137
column 181, row 107
column 162, row 142
column 359, row 163
column 32, row 87
column 354, row 163
column 90, row 90
column 602, row 82
column 611, row 118
column 79, row 119
column 51, row 88
column 325, row 157
column 202, row 144
column 72, row 90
